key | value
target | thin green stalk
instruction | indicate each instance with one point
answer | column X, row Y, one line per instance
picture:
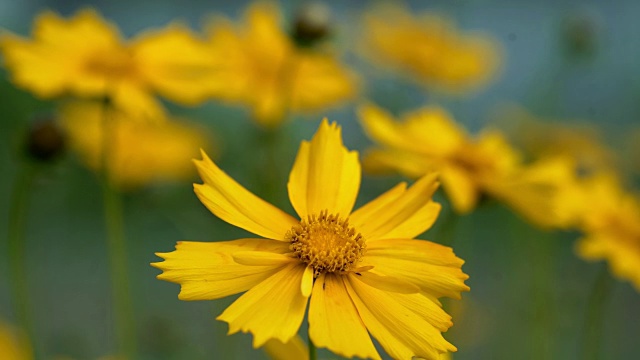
column 313, row 353
column 592, row 336
column 16, row 250
column 117, row 252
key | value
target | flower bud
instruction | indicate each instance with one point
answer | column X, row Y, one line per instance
column 45, row 140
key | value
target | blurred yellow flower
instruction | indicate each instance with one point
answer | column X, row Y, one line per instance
column 610, row 220
column 86, row 56
column 430, row 140
column 431, row 50
column 11, row 347
column 364, row 272
column 262, row 68
column 139, row 152
column 544, row 137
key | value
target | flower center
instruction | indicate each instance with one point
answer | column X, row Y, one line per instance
column 326, row 243
column 114, row 64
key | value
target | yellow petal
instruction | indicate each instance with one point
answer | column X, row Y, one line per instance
column 272, row 309
column 207, row 271
column 325, row 175
column 294, row 349
column 432, row 267
column 387, row 283
column 234, row 204
column 306, row 286
column 400, row 332
column 261, row 258
column 177, row 63
column 334, row 322
column 462, row 190
column 400, row 212
column 427, row 131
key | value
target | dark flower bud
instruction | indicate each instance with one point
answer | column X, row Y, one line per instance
column 580, row 34
column 45, row 140
column 311, row 24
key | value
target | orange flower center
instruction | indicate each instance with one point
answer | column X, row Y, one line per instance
column 326, row 243
column 112, row 64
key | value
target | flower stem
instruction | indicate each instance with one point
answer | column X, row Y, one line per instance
column 16, row 250
column 313, row 353
column 117, row 252
column 596, row 306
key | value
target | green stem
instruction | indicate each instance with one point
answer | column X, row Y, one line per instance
column 16, row 250
column 313, row 353
column 113, row 211
column 595, row 315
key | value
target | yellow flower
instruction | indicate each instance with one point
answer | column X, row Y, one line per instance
column 261, row 67
column 139, row 152
column 362, row 270
column 86, row 56
column 611, row 224
column 11, row 347
column 431, row 50
column 430, row 140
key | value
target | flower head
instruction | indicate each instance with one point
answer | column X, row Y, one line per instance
column 430, row 49
column 261, row 67
column 430, row 140
column 86, row 56
column 139, row 152
column 362, row 270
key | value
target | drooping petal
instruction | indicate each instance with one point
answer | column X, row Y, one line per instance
column 294, row 349
column 334, row 322
column 399, row 330
column 207, row 271
column 461, row 188
column 432, row 267
column 272, row 309
column 325, row 175
column 231, row 202
column 400, row 212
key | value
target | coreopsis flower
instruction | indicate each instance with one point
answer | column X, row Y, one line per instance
column 430, row 49
column 469, row 167
column 86, row 56
column 138, row 152
column 362, row 271
column 267, row 72
column 610, row 221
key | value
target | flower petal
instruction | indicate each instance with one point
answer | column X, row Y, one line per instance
column 294, row 349
column 400, row 332
column 236, row 205
column 207, row 271
column 325, row 175
column 432, row 267
column 272, row 309
column 387, row 283
column 334, row 322
column 462, row 190
column 306, row 286
column 261, row 258
column 400, row 212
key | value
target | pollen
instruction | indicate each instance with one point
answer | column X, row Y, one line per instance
column 326, row 243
